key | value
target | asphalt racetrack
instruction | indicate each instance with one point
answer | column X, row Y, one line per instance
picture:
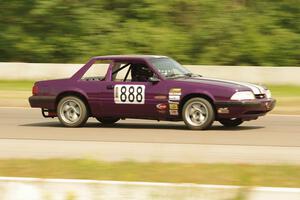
column 24, row 133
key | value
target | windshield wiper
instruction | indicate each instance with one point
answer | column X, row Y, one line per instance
column 182, row 75
column 174, row 75
column 192, row 75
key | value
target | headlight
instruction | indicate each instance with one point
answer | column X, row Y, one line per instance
column 245, row 95
column 268, row 94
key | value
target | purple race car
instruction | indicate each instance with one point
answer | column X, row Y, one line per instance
column 111, row 88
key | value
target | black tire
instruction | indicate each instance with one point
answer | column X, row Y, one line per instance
column 231, row 122
column 76, row 107
column 204, row 105
column 108, row 120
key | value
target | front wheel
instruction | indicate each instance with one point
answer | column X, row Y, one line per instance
column 231, row 122
column 72, row 111
column 107, row 120
column 198, row 114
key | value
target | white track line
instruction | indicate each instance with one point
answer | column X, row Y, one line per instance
column 15, row 107
column 158, row 184
column 283, row 115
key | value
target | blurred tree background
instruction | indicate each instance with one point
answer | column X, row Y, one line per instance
column 219, row 32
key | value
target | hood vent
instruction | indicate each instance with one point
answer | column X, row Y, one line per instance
column 260, row 96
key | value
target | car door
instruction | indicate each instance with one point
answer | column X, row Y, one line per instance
column 126, row 97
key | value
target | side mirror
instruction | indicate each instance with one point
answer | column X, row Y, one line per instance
column 153, row 79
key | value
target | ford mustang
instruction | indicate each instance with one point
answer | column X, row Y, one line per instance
column 111, row 88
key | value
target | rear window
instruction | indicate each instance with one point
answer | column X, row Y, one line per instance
column 97, row 71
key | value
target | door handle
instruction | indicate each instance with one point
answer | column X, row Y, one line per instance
column 109, row 87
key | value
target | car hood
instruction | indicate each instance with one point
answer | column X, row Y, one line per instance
column 256, row 89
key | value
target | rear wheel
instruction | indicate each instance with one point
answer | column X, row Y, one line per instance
column 108, row 120
column 231, row 122
column 72, row 111
column 198, row 114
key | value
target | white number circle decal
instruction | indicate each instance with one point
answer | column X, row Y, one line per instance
column 129, row 94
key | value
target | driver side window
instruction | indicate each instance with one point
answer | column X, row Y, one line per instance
column 131, row 72
column 121, row 72
column 140, row 72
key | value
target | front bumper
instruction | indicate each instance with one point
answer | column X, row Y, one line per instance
column 246, row 110
column 42, row 102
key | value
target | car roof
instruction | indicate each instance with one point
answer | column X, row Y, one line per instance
column 127, row 57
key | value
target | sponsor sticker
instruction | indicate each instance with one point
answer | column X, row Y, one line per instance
column 173, row 106
column 174, row 94
column 173, row 112
column 223, row 110
column 175, row 91
column 174, row 97
column 161, row 106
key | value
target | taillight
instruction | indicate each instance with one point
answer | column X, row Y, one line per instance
column 35, row 90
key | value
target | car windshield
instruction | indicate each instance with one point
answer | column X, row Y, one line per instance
column 169, row 68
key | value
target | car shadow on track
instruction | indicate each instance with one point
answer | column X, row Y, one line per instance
column 120, row 125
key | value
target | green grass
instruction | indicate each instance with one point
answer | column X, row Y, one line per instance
column 285, row 90
column 22, row 85
column 228, row 174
